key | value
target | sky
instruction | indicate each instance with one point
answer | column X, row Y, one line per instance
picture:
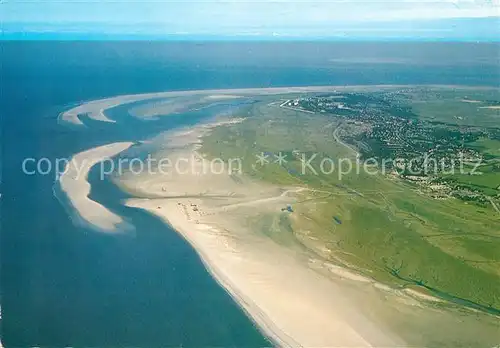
column 279, row 18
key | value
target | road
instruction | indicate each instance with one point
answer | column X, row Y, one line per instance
column 494, row 205
column 337, row 139
column 262, row 200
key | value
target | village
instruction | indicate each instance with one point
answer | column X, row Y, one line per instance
column 423, row 153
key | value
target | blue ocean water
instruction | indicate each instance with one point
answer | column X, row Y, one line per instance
column 63, row 285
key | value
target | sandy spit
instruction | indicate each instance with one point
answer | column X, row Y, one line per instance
column 95, row 109
column 74, row 186
column 292, row 303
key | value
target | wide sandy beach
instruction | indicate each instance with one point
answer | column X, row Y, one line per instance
column 296, row 299
column 292, row 303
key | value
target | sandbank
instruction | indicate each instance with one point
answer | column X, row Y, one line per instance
column 495, row 107
column 74, row 185
column 95, row 109
column 471, row 101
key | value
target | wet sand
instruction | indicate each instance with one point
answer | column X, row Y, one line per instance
column 74, row 184
column 95, row 109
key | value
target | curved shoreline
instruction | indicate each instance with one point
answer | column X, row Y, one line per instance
column 193, row 232
column 275, row 302
column 95, row 108
column 74, row 185
column 263, row 322
column 293, row 304
column 272, row 290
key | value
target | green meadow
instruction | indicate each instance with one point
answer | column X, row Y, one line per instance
column 379, row 225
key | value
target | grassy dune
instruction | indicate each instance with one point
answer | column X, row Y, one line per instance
column 386, row 228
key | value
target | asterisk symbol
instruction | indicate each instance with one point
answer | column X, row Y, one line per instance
column 280, row 158
column 262, row 158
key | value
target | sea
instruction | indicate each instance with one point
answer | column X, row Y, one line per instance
column 63, row 285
